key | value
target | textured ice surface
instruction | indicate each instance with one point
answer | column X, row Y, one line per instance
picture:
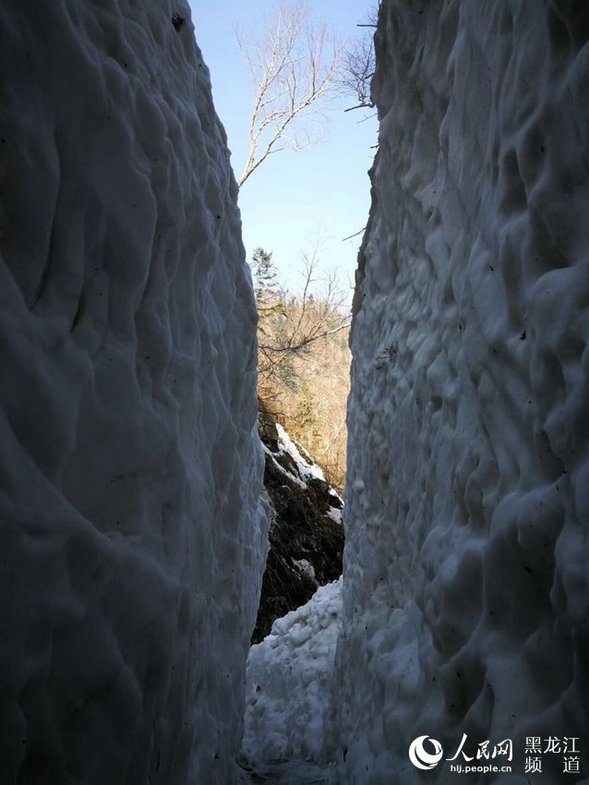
column 131, row 540
column 466, row 594
column 289, row 681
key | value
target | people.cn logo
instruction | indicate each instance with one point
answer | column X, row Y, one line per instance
column 420, row 757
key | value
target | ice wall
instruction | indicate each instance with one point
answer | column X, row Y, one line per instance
column 131, row 538
column 466, row 590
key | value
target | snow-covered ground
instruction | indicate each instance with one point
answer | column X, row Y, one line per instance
column 289, row 681
column 132, row 536
column 466, row 580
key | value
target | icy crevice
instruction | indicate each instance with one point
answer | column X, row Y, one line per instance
column 133, row 534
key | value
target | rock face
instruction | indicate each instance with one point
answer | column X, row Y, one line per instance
column 466, row 593
column 306, row 537
column 132, row 538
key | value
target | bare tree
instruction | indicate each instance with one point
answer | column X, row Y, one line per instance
column 289, row 325
column 359, row 64
column 293, row 64
column 357, row 72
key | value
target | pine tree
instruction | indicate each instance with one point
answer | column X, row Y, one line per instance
column 265, row 278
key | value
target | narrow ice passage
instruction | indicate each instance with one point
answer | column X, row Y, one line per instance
column 466, row 567
column 134, row 527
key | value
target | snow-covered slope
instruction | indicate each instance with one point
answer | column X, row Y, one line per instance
column 132, row 540
column 466, row 593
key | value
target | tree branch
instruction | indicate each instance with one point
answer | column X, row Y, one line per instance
column 290, row 53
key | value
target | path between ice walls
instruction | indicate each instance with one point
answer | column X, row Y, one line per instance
column 288, row 690
column 288, row 679
column 289, row 673
column 132, row 540
column 465, row 592
column 466, row 596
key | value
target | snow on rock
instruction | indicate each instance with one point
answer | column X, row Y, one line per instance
column 305, row 466
column 306, row 534
column 132, row 536
column 289, row 681
column 466, row 591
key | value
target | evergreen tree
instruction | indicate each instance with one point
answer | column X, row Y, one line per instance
column 264, row 274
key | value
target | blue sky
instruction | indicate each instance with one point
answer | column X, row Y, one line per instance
column 295, row 199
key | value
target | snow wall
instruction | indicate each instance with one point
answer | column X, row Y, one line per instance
column 131, row 545
column 466, row 594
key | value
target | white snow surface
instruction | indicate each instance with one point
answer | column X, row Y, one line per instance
column 466, row 593
column 133, row 538
column 306, row 567
column 304, row 463
column 289, row 677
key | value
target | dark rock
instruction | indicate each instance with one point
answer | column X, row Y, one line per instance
column 302, row 531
